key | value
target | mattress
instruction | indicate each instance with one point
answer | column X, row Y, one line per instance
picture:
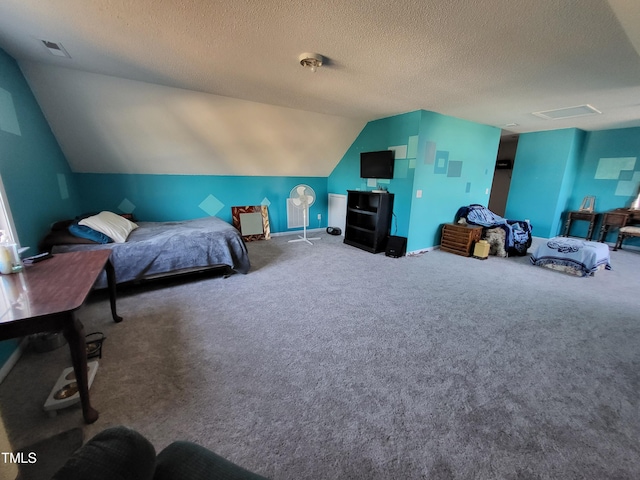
column 158, row 248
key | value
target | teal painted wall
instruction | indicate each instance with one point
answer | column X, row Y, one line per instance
column 157, row 198
column 574, row 162
column 610, row 171
column 7, row 347
column 36, row 176
column 543, row 177
column 397, row 131
column 32, row 165
column 463, row 178
column 455, row 165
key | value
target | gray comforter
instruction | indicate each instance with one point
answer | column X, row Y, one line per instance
column 157, row 248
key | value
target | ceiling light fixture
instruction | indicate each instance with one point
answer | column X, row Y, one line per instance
column 311, row 61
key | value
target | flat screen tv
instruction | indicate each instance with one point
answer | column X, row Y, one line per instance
column 377, row 164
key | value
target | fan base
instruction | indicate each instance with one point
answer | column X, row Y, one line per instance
column 304, row 239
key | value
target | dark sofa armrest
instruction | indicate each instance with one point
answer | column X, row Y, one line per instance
column 117, row 453
column 189, row 461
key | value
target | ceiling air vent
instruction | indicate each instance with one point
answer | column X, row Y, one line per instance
column 55, row 48
column 569, row 112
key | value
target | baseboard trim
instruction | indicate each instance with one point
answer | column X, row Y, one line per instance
column 423, row 250
column 626, row 247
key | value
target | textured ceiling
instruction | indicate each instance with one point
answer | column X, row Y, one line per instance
column 490, row 61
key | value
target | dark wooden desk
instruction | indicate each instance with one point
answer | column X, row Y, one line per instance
column 45, row 296
column 619, row 217
column 590, row 217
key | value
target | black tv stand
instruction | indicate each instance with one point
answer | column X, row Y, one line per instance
column 368, row 222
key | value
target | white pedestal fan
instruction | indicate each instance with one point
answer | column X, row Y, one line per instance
column 302, row 197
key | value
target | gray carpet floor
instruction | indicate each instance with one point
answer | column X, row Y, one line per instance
column 328, row 362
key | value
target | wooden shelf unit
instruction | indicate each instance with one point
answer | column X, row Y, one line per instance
column 368, row 221
column 459, row 238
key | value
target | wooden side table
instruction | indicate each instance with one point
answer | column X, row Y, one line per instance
column 590, row 217
column 45, row 296
column 459, row 238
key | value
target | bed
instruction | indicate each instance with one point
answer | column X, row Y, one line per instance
column 577, row 257
column 165, row 248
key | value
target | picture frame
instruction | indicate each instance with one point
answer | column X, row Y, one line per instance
column 588, row 204
column 252, row 222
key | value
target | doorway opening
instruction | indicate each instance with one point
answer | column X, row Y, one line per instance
column 502, row 174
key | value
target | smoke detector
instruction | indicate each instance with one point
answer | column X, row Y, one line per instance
column 311, row 61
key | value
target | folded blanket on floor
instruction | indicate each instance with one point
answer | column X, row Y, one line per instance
column 583, row 256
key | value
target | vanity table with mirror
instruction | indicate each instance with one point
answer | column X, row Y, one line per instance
column 617, row 218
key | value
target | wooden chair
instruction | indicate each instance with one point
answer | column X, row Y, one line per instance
column 626, row 232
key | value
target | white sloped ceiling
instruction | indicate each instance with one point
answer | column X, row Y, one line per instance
column 107, row 124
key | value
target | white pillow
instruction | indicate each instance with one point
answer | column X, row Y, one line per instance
column 111, row 224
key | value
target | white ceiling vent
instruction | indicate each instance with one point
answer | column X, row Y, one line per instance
column 569, row 112
column 55, row 48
